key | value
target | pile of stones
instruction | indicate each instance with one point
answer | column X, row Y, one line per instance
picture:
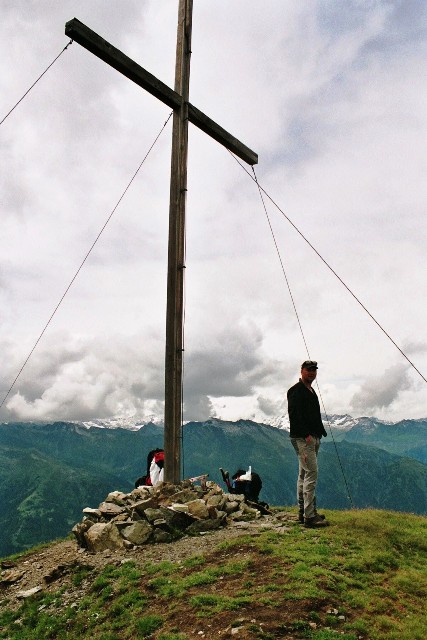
column 159, row 514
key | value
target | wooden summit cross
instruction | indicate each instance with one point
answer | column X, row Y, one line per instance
column 178, row 100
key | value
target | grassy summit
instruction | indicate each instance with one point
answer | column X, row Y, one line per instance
column 363, row 577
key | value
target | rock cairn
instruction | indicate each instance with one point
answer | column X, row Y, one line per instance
column 159, row 514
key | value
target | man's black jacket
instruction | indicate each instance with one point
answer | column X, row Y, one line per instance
column 304, row 412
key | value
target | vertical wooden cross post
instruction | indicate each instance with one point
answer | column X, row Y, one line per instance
column 176, row 250
column 184, row 112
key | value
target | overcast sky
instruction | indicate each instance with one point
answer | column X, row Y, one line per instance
column 332, row 97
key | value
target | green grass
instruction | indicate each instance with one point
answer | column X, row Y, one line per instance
column 363, row 577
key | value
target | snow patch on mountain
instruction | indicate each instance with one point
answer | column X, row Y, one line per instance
column 132, row 424
column 338, row 422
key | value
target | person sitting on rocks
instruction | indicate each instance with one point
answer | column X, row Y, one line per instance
column 244, row 483
column 155, row 469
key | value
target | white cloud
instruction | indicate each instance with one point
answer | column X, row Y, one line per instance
column 88, row 378
column 332, row 98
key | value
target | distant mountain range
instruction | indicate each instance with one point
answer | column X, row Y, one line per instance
column 49, row 472
column 281, row 422
column 404, row 438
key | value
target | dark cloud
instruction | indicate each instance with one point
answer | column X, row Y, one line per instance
column 271, row 407
column 85, row 378
column 82, row 379
column 414, row 347
column 197, row 407
column 380, row 392
column 232, row 364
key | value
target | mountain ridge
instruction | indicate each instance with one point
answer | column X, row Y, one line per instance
column 281, row 421
column 50, row 472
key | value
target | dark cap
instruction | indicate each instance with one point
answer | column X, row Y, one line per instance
column 309, row 364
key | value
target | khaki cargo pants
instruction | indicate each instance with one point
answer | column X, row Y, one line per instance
column 307, row 450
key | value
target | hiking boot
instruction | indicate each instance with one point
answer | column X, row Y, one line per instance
column 319, row 515
column 301, row 518
column 315, row 522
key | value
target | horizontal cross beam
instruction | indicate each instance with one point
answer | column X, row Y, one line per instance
column 91, row 41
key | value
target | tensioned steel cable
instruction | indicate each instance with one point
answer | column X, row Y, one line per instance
column 281, row 262
column 303, row 337
column 83, row 261
column 332, row 271
column 36, row 81
column 350, row 499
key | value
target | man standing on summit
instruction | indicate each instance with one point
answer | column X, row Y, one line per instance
column 306, row 429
